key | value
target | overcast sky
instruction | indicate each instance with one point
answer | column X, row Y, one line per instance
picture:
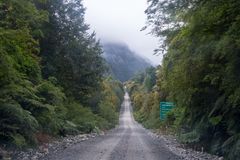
column 121, row 21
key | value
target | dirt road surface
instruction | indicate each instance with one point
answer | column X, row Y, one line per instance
column 129, row 141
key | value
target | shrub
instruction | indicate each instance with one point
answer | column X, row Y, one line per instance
column 81, row 117
column 107, row 112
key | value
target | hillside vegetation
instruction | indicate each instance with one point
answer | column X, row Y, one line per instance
column 51, row 73
column 123, row 62
column 200, row 73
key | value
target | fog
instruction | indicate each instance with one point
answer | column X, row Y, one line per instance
column 121, row 21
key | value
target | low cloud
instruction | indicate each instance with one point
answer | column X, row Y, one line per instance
column 121, row 21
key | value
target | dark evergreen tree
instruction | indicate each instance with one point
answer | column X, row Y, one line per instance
column 69, row 52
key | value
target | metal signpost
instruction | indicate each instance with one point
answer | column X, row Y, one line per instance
column 165, row 107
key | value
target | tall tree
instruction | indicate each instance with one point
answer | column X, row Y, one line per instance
column 69, row 52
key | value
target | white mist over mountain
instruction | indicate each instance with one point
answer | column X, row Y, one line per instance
column 121, row 21
column 123, row 63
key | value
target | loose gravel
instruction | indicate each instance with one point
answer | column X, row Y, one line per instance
column 52, row 147
column 183, row 152
column 129, row 141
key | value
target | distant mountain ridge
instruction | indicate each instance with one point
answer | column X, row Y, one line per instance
column 123, row 62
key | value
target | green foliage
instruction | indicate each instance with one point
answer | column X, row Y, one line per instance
column 145, row 98
column 50, row 38
column 81, row 117
column 19, row 140
column 17, row 125
column 69, row 52
column 231, row 146
column 150, row 78
column 19, row 71
column 215, row 120
column 107, row 111
column 200, row 69
column 190, row 137
column 112, row 97
column 21, row 14
column 50, row 92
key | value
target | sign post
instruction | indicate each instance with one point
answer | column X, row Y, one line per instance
column 165, row 107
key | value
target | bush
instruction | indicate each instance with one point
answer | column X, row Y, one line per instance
column 17, row 125
column 80, row 116
column 107, row 112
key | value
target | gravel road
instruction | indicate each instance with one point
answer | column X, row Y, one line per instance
column 129, row 141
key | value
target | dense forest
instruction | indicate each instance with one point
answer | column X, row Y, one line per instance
column 52, row 74
column 200, row 73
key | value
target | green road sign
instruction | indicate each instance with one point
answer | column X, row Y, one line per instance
column 165, row 107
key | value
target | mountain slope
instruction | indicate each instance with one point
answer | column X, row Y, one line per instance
column 123, row 63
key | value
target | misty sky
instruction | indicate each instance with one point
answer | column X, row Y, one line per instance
column 121, row 21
